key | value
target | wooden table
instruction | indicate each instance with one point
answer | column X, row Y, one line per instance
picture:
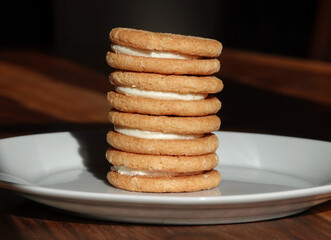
column 267, row 94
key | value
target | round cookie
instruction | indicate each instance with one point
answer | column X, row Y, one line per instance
column 166, row 42
column 196, row 182
column 167, row 83
column 166, row 124
column 163, row 65
column 178, row 164
column 151, row 106
column 187, row 147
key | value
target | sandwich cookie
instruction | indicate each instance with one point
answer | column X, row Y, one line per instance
column 126, row 101
column 167, row 83
column 158, row 94
column 157, row 164
column 165, row 124
column 163, row 183
column 145, row 51
column 157, row 143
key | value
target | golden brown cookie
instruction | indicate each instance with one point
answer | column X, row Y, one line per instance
column 166, row 124
column 163, row 65
column 187, row 147
column 166, row 42
column 151, row 106
column 177, row 164
column 196, row 182
column 167, row 83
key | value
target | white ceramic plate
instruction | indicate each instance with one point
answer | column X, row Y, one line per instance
column 263, row 177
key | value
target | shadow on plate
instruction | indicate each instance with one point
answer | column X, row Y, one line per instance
column 93, row 147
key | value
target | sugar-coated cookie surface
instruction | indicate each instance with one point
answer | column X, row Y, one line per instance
column 203, row 181
column 179, row 164
column 151, row 106
column 163, row 65
column 167, row 42
column 187, row 147
column 167, row 83
column 166, row 124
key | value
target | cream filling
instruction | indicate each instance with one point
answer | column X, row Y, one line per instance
column 149, row 53
column 133, row 172
column 153, row 135
column 159, row 95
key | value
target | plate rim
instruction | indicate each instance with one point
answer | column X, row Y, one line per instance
column 171, row 200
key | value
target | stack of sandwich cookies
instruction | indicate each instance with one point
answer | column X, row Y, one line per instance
column 162, row 112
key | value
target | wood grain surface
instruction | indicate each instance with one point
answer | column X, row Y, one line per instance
column 304, row 79
column 267, row 94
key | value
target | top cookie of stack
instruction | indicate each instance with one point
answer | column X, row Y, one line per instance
column 163, row 115
column 163, row 53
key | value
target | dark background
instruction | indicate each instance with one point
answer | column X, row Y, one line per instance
column 78, row 30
